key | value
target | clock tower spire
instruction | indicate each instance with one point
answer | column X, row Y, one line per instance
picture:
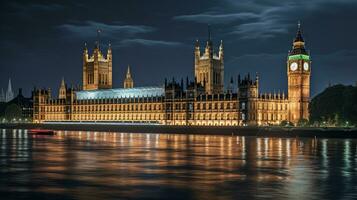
column 298, row 71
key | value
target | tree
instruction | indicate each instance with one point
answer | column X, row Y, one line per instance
column 334, row 106
column 12, row 111
column 303, row 122
column 286, row 123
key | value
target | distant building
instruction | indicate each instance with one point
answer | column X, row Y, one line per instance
column 201, row 102
column 25, row 104
column 9, row 95
column 19, row 108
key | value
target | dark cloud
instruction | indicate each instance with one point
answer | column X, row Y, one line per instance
column 29, row 7
column 215, row 18
column 260, row 19
column 146, row 42
column 45, row 7
column 89, row 29
column 42, row 41
column 27, row 10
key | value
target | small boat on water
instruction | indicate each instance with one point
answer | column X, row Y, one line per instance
column 41, row 132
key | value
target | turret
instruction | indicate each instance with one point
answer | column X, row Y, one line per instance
column 209, row 45
column 109, row 53
column 128, row 82
column 197, row 52
column 62, row 90
column 85, row 52
column 247, row 87
column 209, row 68
column 220, row 55
column 230, row 87
column 97, row 69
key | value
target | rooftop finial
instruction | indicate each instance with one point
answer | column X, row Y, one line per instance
column 299, row 24
column 85, row 47
column 128, row 74
column 62, row 82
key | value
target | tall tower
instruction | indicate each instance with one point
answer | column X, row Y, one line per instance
column 128, row 82
column 9, row 93
column 97, row 69
column 298, row 71
column 209, row 67
column 62, row 90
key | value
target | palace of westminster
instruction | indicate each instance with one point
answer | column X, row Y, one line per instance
column 201, row 102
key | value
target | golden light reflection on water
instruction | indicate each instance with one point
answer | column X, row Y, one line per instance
column 97, row 165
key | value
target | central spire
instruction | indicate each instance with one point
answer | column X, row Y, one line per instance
column 128, row 74
column 299, row 37
column 298, row 43
column 128, row 82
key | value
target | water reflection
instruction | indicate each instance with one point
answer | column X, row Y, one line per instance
column 95, row 165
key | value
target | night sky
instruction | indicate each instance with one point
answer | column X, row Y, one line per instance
column 42, row 41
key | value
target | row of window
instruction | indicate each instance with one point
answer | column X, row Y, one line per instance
column 119, row 100
column 141, row 117
column 158, row 107
column 122, row 107
column 208, row 117
column 121, row 117
column 269, row 106
column 205, row 106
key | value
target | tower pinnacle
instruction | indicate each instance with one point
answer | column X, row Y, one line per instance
column 62, row 90
column 299, row 37
column 128, row 74
column 128, row 82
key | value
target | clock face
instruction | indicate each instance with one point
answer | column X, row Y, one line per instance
column 306, row 66
column 293, row 66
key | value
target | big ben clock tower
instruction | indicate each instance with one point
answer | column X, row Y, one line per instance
column 299, row 71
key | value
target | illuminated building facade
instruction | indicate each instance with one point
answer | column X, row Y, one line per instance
column 97, row 69
column 209, row 67
column 201, row 102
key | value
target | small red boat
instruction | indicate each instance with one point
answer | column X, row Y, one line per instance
column 41, row 132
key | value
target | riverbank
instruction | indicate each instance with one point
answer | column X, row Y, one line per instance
column 207, row 130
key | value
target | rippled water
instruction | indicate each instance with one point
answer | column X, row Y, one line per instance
column 91, row 165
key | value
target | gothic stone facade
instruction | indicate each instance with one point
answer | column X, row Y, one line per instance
column 201, row 102
column 97, row 69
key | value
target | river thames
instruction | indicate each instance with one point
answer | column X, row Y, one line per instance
column 97, row 165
